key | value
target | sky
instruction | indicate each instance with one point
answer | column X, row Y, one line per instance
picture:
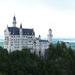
column 41, row 15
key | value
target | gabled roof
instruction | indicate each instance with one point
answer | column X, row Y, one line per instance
column 13, row 30
column 28, row 32
column 16, row 30
column 40, row 40
column 43, row 40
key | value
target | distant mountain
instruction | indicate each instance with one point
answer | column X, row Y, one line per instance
column 2, row 42
column 71, row 41
column 63, row 39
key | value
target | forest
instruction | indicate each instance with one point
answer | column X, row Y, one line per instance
column 59, row 61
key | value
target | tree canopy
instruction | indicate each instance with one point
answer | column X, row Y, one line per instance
column 59, row 61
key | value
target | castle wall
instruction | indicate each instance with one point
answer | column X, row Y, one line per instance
column 17, row 41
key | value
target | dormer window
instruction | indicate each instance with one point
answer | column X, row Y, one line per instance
column 32, row 33
column 13, row 33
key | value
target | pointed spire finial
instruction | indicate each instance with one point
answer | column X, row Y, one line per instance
column 14, row 21
column 14, row 18
column 21, row 25
column 7, row 25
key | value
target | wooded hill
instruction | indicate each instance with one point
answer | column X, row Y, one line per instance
column 59, row 61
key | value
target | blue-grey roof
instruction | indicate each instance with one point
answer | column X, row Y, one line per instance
column 13, row 30
column 16, row 30
column 37, row 38
column 43, row 40
column 28, row 32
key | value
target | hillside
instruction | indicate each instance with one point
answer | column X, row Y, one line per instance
column 59, row 61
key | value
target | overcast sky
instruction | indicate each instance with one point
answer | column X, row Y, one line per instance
column 59, row 15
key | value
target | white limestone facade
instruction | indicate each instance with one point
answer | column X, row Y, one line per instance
column 20, row 38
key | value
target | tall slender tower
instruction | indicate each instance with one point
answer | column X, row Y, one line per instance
column 14, row 21
column 50, row 35
column 20, row 29
column 20, row 36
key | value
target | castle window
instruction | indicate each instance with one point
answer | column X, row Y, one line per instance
column 11, row 44
column 22, row 41
column 11, row 36
column 13, row 33
column 32, row 33
column 39, row 53
column 30, row 36
column 29, row 41
column 11, row 39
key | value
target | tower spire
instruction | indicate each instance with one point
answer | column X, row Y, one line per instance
column 21, row 25
column 14, row 21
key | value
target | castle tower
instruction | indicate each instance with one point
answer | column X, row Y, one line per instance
column 39, row 37
column 50, row 35
column 14, row 21
column 20, row 31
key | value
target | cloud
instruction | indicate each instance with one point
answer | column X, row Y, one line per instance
column 63, row 5
column 38, row 15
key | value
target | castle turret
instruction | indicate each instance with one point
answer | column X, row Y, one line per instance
column 39, row 37
column 50, row 35
column 20, row 36
column 14, row 21
column 20, row 29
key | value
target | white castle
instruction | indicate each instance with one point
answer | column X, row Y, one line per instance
column 20, row 38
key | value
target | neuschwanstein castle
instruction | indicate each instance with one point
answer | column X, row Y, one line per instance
column 20, row 38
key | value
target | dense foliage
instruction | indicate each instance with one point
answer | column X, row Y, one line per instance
column 59, row 61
